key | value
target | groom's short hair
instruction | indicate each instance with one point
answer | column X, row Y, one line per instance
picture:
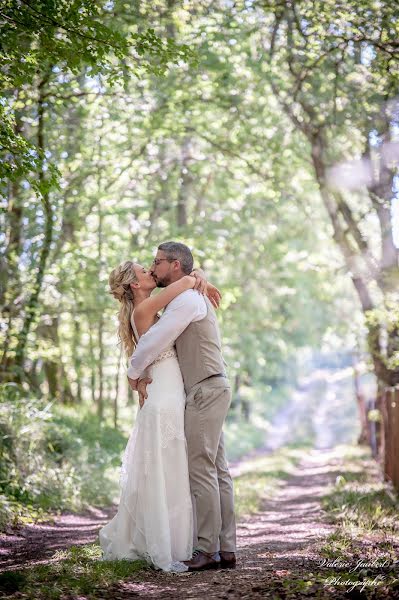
column 179, row 252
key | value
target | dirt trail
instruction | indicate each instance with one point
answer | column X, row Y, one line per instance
column 276, row 547
column 34, row 544
column 272, row 545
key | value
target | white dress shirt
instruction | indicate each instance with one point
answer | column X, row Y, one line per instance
column 187, row 307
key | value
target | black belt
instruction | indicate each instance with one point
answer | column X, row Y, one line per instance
column 210, row 376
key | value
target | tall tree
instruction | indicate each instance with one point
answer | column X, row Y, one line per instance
column 44, row 44
column 334, row 69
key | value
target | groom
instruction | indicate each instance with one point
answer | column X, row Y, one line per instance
column 190, row 321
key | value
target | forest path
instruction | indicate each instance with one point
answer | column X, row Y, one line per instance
column 278, row 548
column 25, row 546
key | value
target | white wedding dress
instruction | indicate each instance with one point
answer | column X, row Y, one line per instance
column 155, row 515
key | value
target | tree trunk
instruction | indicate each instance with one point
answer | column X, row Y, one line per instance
column 77, row 360
column 117, row 389
column 9, row 275
column 10, row 286
column 185, row 184
column 32, row 305
column 100, row 329
column 92, row 365
column 358, row 266
column 67, row 396
column 49, row 333
column 100, row 397
column 364, row 436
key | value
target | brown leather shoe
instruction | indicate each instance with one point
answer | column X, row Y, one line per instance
column 201, row 561
column 227, row 560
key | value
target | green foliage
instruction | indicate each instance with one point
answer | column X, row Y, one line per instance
column 72, row 35
column 210, row 143
column 250, row 416
column 53, row 458
column 263, row 477
column 363, row 508
column 26, row 159
column 334, row 69
column 385, row 316
column 207, row 155
column 241, row 438
column 55, row 38
column 77, row 570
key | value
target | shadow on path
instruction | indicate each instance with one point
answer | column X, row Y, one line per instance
column 277, row 548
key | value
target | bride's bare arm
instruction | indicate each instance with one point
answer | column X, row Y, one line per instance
column 146, row 311
column 150, row 306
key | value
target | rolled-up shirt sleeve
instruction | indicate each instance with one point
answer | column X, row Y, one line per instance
column 180, row 312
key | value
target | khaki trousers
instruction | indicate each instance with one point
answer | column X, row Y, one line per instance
column 211, row 485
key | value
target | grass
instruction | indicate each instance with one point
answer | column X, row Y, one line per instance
column 363, row 509
column 361, row 505
column 263, row 478
column 77, row 570
column 56, row 457
column 53, row 458
column 365, row 512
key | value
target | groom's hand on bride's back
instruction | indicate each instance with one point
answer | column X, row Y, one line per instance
column 133, row 383
column 142, row 389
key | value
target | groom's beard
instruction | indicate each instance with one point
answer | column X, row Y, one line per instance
column 164, row 282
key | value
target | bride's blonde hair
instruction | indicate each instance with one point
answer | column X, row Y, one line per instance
column 119, row 282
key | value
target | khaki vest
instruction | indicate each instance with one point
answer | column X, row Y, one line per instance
column 199, row 349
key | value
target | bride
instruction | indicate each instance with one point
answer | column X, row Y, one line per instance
column 155, row 514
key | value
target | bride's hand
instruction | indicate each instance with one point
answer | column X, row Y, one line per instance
column 201, row 283
column 204, row 287
column 214, row 295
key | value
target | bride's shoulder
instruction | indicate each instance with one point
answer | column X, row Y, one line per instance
column 139, row 319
